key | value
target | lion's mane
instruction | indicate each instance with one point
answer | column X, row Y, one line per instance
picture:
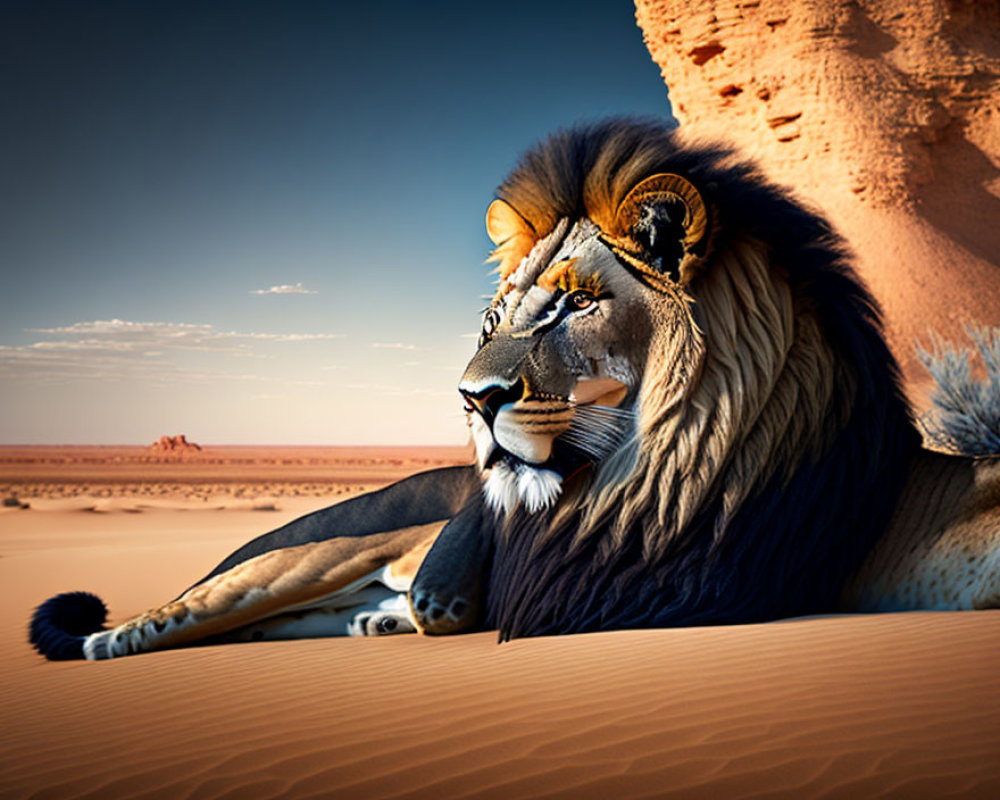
column 773, row 437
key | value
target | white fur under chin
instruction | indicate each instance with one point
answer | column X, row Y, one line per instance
column 537, row 489
column 500, row 488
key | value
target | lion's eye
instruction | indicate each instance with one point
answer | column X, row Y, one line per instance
column 581, row 299
column 490, row 322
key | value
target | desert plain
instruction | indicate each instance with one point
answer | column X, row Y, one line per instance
column 892, row 705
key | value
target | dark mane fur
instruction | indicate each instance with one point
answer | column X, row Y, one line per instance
column 791, row 545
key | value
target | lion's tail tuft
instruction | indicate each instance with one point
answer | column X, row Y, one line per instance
column 60, row 625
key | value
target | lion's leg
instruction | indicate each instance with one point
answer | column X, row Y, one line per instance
column 423, row 498
column 447, row 593
column 942, row 549
column 323, row 587
column 373, row 610
column 351, row 540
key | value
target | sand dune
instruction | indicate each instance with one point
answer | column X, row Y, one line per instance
column 879, row 706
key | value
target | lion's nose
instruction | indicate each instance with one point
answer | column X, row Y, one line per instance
column 488, row 400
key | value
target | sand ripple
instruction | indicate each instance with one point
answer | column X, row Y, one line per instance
column 894, row 705
column 904, row 705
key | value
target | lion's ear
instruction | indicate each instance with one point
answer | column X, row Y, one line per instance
column 666, row 216
column 511, row 233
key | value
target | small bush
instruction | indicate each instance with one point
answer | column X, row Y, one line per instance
column 966, row 413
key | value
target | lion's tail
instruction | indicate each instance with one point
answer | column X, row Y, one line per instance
column 61, row 624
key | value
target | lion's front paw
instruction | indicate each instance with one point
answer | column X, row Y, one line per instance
column 440, row 613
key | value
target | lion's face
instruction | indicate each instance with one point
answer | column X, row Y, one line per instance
column 563, row 351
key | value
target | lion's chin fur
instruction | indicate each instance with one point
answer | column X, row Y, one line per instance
column 534, row 488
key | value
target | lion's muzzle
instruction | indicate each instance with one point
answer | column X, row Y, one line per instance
column 522, row 423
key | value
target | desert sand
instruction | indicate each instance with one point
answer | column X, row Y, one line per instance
column 899, row 705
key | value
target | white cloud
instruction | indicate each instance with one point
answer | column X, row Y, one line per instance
column 285, row 288
column 394, row 346
column 120, row 326
column 118, row 334
column 287, row 337
column 146, row 350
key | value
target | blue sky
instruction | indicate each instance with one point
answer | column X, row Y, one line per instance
column 166, row 164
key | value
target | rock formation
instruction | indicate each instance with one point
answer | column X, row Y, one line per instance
column 884, row 114
column 174, row 445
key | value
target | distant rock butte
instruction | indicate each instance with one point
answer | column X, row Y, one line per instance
column 175, row 445
column 884, row 114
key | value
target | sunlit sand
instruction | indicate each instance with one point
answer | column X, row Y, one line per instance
column 890, row 705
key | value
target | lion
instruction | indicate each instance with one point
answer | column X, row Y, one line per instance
column 684, row 413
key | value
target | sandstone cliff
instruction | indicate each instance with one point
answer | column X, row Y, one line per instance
column 174, row 445
column 883, row 113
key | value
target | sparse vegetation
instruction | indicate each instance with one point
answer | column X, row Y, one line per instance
column 966, row 413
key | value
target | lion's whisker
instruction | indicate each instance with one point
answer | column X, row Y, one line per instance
column 597, row 431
